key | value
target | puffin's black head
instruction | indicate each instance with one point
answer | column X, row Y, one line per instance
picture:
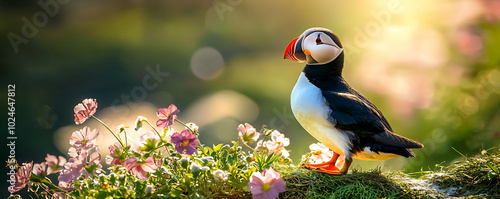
column 316, row 46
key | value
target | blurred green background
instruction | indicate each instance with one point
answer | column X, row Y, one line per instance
column 431, row 67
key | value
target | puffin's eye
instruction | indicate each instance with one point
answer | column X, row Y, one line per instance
column 318, row 40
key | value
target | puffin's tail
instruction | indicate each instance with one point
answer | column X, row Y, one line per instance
column 405, row 152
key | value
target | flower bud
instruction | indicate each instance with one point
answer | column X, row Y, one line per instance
column 121, row 128
column 121, row 177
column 195, row 167
column 208, row 160
column 149, row 189
column 184, row 162
column 138, row 122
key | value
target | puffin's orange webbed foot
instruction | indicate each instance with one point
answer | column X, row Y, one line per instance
column 329, row 167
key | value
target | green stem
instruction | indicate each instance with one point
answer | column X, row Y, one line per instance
column 246, row 144
column 154, row 129
column 126, row 142
column 53, row 185
column 183, row 124
column 161, row 137
column 48, row 192
column 117, row 138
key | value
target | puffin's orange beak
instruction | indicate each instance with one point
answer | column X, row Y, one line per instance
column 290, row 49
column 294, row 50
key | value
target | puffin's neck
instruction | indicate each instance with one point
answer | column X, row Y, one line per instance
column 327, row 76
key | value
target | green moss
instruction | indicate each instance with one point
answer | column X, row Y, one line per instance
column 477, row 175
column 302, row 183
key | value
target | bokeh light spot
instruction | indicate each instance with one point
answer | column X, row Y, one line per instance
column 207, row 63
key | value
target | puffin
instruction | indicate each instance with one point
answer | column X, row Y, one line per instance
column 333, row 112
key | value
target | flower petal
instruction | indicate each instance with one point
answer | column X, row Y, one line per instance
column 176, row 138
column 190, row 150
column 149, row 165
column 166, row 116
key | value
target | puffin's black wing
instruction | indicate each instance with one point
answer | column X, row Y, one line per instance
column 354, row 113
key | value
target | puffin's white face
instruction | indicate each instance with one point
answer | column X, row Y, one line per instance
column 319, row 48
column 315, row 46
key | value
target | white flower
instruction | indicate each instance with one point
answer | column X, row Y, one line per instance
column 121, row 128
column 167, row 133
column 195, row 167
column 193, row 127
column 220, row 175
column 285, row 153
column 149, row 189
column 277, row 143
column 319, row 153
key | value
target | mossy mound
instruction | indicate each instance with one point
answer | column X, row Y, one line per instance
column 303, row 183
column 471, row 177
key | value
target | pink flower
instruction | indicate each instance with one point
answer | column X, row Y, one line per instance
column 277, row 143
column 492, row 10
column 82, row 140
column 146, row 142
column 72, row 170
column 22, row 177
column 266, row 185
column 76, row 166
column 140, row 169
column 167, row 116
column 54, row 164
column 247, row 133
column 185, row 140
column 114, row 156
column 85, row 110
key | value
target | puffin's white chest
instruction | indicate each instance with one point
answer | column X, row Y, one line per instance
column 310, row 109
